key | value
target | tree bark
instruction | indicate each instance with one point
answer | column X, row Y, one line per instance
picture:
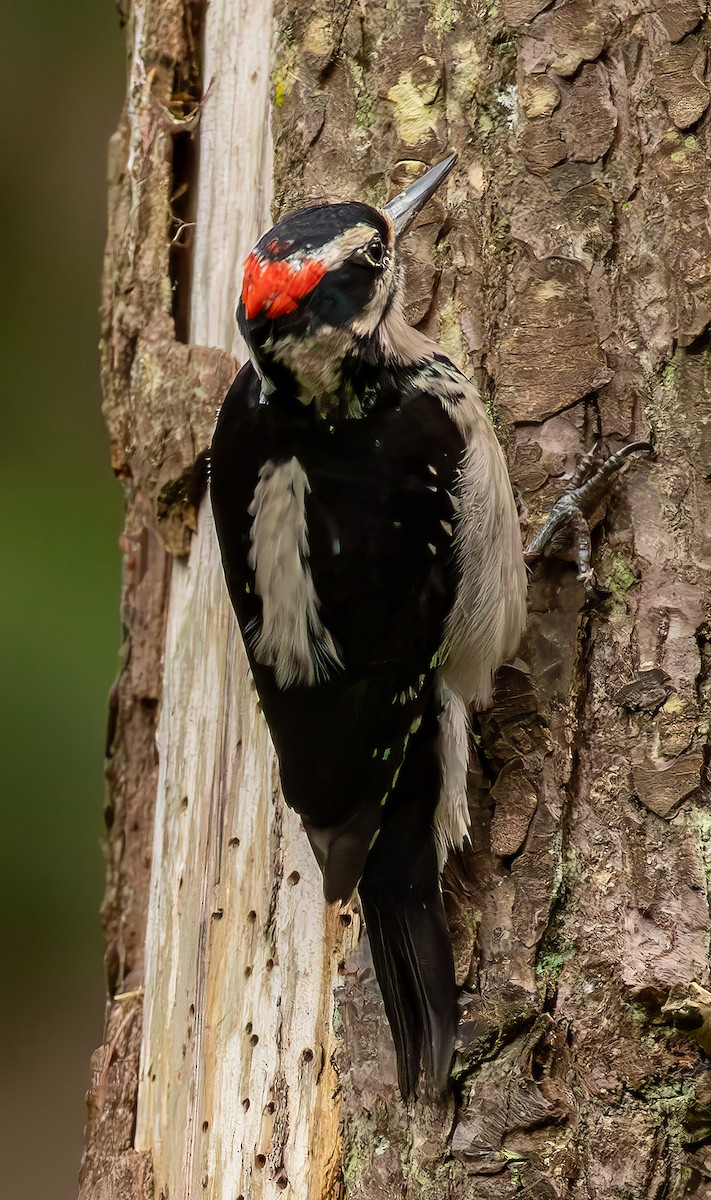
column 568, row 268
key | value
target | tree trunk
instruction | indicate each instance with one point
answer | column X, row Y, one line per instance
column 568, row 267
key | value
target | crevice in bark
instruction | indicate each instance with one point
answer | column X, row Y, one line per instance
column 185, row 106
column 701, row 344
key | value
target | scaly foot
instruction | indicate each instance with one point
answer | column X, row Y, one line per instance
column 569, row 516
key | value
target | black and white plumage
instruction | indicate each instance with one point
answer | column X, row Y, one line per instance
column 372, row 553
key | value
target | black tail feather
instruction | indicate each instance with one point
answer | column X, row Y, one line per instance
column 407, row 928
column 402, row 1016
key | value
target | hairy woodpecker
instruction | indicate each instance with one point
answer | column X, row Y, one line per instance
column 372, row 553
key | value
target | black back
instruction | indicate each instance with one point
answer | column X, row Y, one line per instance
column 379, row 521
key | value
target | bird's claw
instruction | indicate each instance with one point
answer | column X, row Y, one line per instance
column 569, row 516
column 589, row 582
column 594, row 590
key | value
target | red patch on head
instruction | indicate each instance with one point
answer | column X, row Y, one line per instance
column 275, row 288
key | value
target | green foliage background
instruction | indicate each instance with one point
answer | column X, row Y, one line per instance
column 63, row 74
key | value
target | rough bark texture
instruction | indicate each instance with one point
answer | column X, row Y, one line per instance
column 569, row 267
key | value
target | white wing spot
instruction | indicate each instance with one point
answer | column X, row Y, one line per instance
column 292, row 637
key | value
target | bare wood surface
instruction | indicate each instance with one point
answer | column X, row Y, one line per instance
column 237, row 1085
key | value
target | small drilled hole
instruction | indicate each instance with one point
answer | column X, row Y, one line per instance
column 307, row 1055
column 245, row 1103
column 251, row 915
column 248, row 1027
column 293, row 878
column 270, row 964
column 205, row 1126
column 260, row 1159
column 253, row 1040
column 345, row 918
column 234, row 841
column 184, row 803
column 282, row 1182
column 269, row 1108
column 247, row 972
column 218, row 914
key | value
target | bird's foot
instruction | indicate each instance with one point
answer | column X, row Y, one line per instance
column 569, row 517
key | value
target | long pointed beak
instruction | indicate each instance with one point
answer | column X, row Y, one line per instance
column 403, row 209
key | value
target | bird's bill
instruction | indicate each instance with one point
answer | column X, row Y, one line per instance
column 403, row 209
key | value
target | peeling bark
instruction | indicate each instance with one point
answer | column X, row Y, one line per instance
column 569, row 268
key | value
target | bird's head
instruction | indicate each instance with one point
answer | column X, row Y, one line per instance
column 320, row 284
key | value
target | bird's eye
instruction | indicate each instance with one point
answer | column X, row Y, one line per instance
column 375, row 251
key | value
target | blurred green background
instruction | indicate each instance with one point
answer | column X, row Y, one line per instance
column 64, row 70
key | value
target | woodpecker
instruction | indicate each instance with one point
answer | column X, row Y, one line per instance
column 371, row 549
